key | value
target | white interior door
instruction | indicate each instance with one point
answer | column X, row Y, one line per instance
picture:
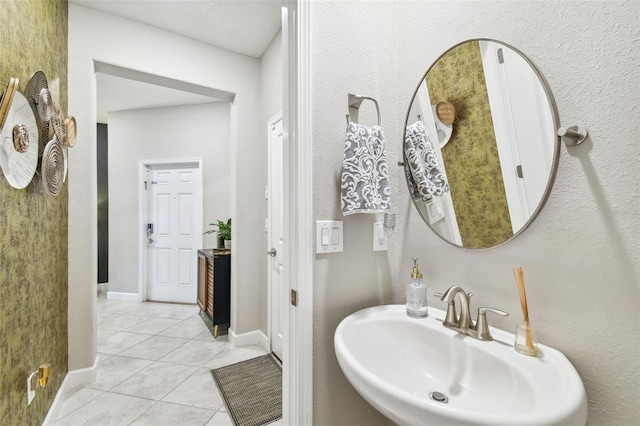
column 175, row 210
column 522, row 124
column 275, row 240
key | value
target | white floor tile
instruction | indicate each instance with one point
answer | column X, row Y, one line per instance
column 199, row 390
column 155, row 381
column 220, row 419
column 164, row 413
column 187, row 329
column 180, row 312
column 102, row 333
column 108, row 409
column 114, row 370
column 207, row 335
column 120, row 341
column 152, row 325
column 154, row 348
column 195, row 352
column 76, row 398
column 136, row 383
column 122, row 322
column 105, row 317
column 104, row 357
column 231, row 355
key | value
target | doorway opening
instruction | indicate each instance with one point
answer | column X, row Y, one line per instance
column 277, row 298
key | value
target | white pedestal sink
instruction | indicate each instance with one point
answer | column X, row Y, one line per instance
column 396, row 362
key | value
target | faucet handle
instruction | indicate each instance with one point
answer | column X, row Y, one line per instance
column 451, row 319
column 482, row 326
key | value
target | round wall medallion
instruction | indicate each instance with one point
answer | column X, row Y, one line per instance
column 72, row 131
column 446, row 112
column 20, row 138
column 19, row 162
column 53, row 167
column 57, row 121
column 44, row 104
column 35, row 87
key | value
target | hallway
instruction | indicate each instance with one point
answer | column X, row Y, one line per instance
column 155, row 362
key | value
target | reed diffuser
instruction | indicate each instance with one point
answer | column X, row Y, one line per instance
column 527, row 345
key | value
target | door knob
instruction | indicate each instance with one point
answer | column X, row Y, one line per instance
column 272, row 252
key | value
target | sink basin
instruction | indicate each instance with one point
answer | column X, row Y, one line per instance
column 396, row 362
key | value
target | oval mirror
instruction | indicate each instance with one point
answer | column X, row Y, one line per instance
column 480, row 177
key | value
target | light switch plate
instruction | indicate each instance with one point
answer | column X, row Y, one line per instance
column 333, row 241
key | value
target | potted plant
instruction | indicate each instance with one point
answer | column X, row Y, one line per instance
column 224, row 232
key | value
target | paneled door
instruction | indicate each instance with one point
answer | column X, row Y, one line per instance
column 175, row 207
column 275, row 240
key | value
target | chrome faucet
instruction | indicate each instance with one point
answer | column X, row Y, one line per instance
column 451, row 320
column 463, row 324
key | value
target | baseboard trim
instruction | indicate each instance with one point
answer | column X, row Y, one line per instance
column 255, row 337
column 81, row 376
column 127, row 297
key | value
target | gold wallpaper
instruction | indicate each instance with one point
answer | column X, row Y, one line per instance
column 471, row 156
column 33, row 226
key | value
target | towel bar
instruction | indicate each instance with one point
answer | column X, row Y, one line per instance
column 573, row 135
column 354, row 102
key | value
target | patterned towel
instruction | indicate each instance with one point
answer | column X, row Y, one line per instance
column 424, row 174
column 365, row 182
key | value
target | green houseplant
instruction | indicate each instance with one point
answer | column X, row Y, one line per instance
column 224, row 231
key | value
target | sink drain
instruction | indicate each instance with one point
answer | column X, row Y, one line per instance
column 438, row 396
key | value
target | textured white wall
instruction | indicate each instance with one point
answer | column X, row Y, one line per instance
column 353, row 51
column 94, row 35
column 160, row 133
column 581, row 256
column 271, row 99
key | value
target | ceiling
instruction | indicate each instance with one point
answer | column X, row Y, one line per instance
column 243, row 26
column 122, row 94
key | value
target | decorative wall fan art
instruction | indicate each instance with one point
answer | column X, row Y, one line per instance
column 54, row 167
column 19, row 143
column 39, row 97
column 26, row 120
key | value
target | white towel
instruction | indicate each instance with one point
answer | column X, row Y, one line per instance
column 425, row 174
column 365, row 180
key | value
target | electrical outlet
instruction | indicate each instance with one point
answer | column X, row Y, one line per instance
column 379, row 237
column 32, row 382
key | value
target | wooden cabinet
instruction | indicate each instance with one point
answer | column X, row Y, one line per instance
column 202, row 281
column 214, row 287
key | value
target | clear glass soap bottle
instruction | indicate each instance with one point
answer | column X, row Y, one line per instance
column 416, row 293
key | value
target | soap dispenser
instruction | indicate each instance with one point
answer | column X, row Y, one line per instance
column 416, row 293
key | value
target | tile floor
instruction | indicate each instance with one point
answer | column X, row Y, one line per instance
column 153, row 369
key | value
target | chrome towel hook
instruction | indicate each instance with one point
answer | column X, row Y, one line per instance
column 354, row 102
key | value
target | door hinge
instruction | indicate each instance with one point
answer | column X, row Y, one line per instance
column 294, row 297
column 145, row 185
column 500, row 56
column 154, row 182
column 519, row 171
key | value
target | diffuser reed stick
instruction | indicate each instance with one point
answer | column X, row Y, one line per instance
column 518, row 273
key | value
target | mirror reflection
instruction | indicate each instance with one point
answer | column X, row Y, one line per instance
column 480, row 149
